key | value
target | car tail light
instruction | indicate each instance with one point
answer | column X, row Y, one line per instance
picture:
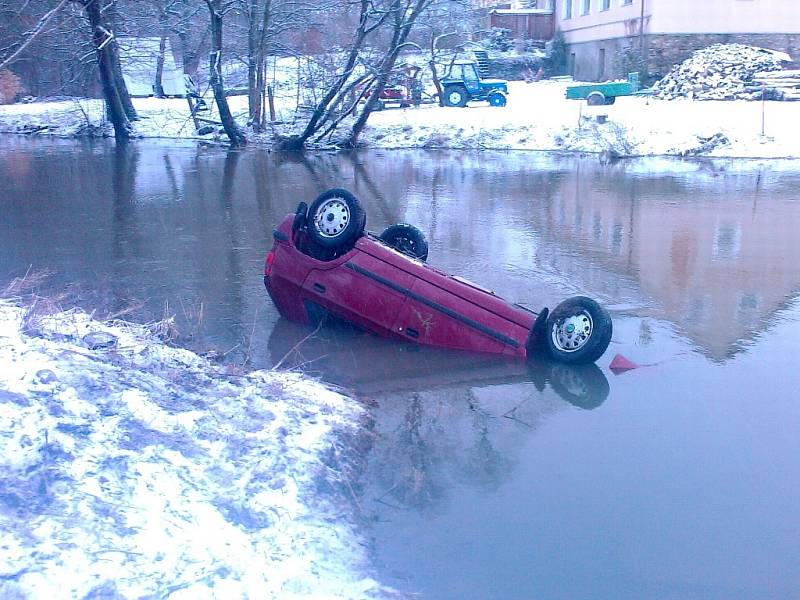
column 268, row 263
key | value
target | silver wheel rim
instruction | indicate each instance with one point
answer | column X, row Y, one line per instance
column 332, row 217
column 455, row 97
column 570, row 334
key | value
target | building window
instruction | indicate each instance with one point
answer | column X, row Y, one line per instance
column 567, row 9
column 585, row 6
column 605, row 5
column 625, row 2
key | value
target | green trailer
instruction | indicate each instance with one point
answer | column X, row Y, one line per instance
column 596, row 94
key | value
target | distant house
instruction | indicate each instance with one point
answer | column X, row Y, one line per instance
column 139, row 58
column 608, row 38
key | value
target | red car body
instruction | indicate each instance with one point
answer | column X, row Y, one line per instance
column 393, row 295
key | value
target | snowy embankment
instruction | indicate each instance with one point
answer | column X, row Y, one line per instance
column 142, row 471
column 537, row 117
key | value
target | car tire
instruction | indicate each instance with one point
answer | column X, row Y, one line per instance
column 583, row 386
column 497, row 99
column 578, row 331
column 611, row 100
column 336, row 220
column 455, row 96
column 406, row 239
column 596, row 99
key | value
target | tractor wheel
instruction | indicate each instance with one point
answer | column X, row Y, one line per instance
column 497, row 99
column 456, row 96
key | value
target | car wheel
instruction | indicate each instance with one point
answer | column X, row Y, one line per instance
column 578, row 331
column 497, row 99
column 611, row 100
column 583, row 386
column 596, row 99
column 455, row 96
column 406, row 239
column 336, row 219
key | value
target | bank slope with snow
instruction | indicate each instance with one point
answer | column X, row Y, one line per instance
column 143, row 471
column 537, row 117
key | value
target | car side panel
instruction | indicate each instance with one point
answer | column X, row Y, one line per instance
column 435, row 317
column 364, row 301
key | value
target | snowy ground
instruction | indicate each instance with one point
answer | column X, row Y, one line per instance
column 537, row 117
column 143, row 471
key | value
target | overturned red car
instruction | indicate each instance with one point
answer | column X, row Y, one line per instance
column 323, row 264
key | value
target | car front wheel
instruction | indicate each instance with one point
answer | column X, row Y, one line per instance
column 336, row 219
column 578, row 331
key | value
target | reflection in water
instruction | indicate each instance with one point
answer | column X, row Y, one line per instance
column 490, row 478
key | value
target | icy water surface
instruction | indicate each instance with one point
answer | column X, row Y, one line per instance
column 490, row 479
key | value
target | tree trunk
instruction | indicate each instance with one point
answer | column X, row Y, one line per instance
column 235, row 136
column 116, row 66
column 158, row 86
column 253, row 92
column 116, row 110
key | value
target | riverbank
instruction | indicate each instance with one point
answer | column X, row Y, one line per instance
column 537, row 117
column 134, row 469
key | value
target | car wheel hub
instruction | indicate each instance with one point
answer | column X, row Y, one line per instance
column 332, row 217
column 571, row 333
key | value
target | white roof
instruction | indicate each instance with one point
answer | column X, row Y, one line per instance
column 139, row 57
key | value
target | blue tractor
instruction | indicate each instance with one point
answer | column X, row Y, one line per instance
column 464, row 83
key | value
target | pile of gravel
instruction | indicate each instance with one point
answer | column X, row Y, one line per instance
column 721, row 72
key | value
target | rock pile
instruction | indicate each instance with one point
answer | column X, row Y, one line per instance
column 721, row 72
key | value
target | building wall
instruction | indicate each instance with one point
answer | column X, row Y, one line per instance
column 725, row 16
column 604, row 44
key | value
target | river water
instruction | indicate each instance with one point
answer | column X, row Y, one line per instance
column 490, row 479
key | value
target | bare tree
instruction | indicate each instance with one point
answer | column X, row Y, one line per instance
column 217, row 10
column 370, row 19
column 404, row 15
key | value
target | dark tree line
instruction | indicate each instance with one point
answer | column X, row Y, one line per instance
column 71, row 47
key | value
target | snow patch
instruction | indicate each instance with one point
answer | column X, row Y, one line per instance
column 144, row 471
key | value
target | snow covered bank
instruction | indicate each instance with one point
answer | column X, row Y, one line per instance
column 142, row 471
column 537, row 117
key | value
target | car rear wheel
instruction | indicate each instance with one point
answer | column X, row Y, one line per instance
column 455, row 96
column 578, row 331
column 406, row 239
column 336, row 219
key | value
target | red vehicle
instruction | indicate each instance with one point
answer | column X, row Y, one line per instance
column 323, row 264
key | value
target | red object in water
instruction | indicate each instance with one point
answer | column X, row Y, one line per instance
column 381, row 290
column 387, row 293
column 620, row 364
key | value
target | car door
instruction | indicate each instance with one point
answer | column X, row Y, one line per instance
column 362, row 289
